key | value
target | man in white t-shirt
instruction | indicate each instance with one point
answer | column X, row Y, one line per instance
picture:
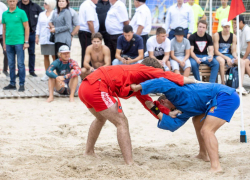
column 89, row 24
column 3, row 8
column 244, row 37
column 159, row 46
column 141, row 21
column 116, row 19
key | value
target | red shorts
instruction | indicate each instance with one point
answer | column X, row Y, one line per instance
column 92, row 97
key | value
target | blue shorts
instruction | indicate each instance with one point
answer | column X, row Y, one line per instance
column 226, row 106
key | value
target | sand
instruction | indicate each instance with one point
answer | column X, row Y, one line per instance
column 39, row 140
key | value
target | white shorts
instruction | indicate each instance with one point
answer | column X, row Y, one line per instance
column 176, row 66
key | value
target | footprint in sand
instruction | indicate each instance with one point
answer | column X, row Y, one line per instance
column 66, row 130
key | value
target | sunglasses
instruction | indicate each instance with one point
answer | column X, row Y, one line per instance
column 45, row 3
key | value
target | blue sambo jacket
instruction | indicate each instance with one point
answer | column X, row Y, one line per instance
column 191, row 99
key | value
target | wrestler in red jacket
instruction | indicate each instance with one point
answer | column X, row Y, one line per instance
column 97, row 92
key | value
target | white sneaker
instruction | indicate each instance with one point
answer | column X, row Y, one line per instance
column 244, row 91
column 45, row 78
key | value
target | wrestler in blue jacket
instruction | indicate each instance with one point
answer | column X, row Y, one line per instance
column 215, row 101
column 193, row 100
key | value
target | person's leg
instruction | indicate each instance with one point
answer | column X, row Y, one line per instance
column 11, row 53
column 214, row 64
column 121, row 123
column 176, row 71
column 72, row 85
column 187, row 68
column 53, row 57
column 57, row 45
column 113, row 46
column 106, row 38
column 46, row 62
column 20, row 63
column 85, row 73
column 117, row 62
column 185, row 33
column 187, row 72
column 112, row 50
column 171, row 35
column 31, row 50
column 243, row 64
column 85, row 41
column 5, row 59
column 94, row 131
column 168, row 65
column 175, row 66
column 247, row 64
column 81, row 39
column 123, row 136
column 145, row 38
column 222, row 68
column 195, row 68
column 210, row 126
column 51, row 83
column 198, row 125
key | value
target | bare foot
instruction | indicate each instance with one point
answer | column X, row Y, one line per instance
column 71, row 99
column 216, row 170
column 50, row 99
column 90, row 154
column 203, row 157
column 131, row 164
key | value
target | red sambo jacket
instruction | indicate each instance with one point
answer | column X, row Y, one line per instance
column 116, row 80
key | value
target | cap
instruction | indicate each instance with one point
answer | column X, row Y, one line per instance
column 224, row 22
column 63, row 49
column 179, row 31
column 142, row 1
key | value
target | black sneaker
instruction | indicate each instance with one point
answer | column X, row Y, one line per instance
column 33, row 74
column 9, row 87
column 21, row 88
column 6, row 73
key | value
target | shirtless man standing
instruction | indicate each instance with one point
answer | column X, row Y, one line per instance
column 97, row 54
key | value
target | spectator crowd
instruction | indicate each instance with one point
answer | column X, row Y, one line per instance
column 181, row 45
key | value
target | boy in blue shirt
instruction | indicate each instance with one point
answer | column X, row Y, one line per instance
column 65, row 80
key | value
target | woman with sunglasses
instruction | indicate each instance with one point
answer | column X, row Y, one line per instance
column 43, row 34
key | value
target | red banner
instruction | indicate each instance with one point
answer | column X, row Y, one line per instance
column 237, row 7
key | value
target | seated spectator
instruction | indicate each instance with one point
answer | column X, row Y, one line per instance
column 158, row 47
column 65, row 80
column 202, row 52
column 225, row 44
column 97, row 54
column 43, row 34
column 244, row 39
column 180, row 52
column 129, row 47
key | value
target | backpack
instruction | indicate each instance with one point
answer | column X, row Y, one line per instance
column 232, row 78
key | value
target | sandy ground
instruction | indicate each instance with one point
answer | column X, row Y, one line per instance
column 46, row 141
